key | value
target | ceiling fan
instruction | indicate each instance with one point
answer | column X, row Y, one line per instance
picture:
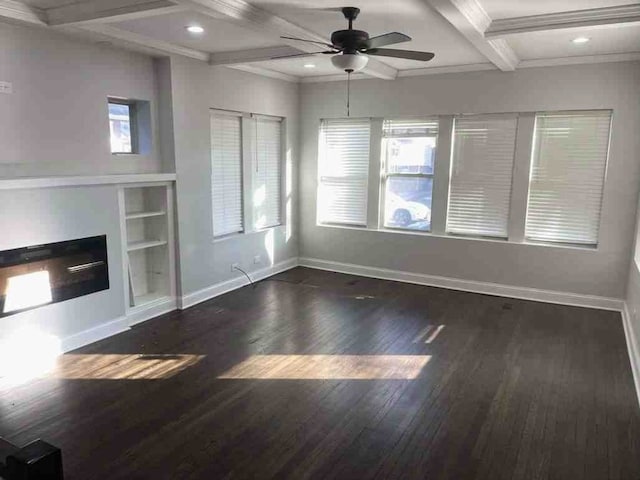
column 352, row 47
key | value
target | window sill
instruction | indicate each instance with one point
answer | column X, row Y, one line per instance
column 238, row 235
column 417, row 233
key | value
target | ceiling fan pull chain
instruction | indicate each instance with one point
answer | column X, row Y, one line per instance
column 348, row 93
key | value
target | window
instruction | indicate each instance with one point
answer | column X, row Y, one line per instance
column 408, row 149
column 226, row 173
column 121, row 126
column 344, row 171
column 481, row 175
column 567, row 177
column 267, row 172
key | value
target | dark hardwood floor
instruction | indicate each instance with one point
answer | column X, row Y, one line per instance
column 327, row 376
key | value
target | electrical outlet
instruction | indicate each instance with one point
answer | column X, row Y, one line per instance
column 234, row 266
column 257, row 259
column 6, row 87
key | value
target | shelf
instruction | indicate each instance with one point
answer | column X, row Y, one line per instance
column 134, row 215
column 149, row 298
column 145, row 244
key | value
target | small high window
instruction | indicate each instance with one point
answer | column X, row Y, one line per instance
column 122, row 124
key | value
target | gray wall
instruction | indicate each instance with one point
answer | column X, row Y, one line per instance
column 601, row 272
column 633, row 287
column 197, row 87
column 55, row 122
column 32, row 217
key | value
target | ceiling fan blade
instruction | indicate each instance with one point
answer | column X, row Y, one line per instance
column 387, row 39
column 408, row 54
column 306, row 54
column 309, row 41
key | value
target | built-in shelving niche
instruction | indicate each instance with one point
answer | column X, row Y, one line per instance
column 147, row 224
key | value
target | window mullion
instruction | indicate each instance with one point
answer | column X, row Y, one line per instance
column 521, row 172
column 375, row 186
column 440, row 195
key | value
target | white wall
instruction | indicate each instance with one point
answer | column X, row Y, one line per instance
column 32, row 217
column 55, row 122
column 601, row 272
column 197, row 87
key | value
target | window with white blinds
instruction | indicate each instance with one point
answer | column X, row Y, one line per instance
column 481, row 175
column 409, row 151
column 344, row 171
column 267, row 167
column 226, row 173
column 567, row 177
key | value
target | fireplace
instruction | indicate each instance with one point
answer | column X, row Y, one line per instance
column 42, row 274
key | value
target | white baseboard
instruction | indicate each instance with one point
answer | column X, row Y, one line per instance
column 146, row 312
column 91, row 335
column 208, row 293
column 524, row 293
column 632, row 346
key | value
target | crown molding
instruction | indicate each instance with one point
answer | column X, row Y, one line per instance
column 12, row 10
column 562, row 20
column 265, row 72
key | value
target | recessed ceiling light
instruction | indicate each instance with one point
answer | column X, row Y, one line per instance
column 194, row 29
column 580, row 40
column 309, row 65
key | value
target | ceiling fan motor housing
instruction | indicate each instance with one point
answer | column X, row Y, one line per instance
column 350, row 41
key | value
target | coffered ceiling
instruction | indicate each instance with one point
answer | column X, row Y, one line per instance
column 463, row 34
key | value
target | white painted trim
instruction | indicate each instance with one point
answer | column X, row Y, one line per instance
column 94, row 334
column 265, row 72
column 561, row 20
column 13, row 10
column 473, row 67
column 486, row 288
column 199, row 296
column 99, row 11
column 632, row 346
column 145, row 312
column 75, row 181
column 581, row 59
column 129, row 39
column 236, row 57
column 470, row 19
column 257, row 19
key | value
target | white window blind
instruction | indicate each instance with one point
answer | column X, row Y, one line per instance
column 344, row 171
column 267, row 168
column 481, row 175
column 567, row 176
column 226, row 173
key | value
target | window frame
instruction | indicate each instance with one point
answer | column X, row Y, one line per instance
column 133, row 123
column 518, row 203
column 385, row 175
column 248, row 156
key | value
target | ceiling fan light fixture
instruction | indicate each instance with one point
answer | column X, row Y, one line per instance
column 350, row 62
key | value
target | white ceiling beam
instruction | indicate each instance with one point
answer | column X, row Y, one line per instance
column 470, row 19
column 99, row 11
column 562, row 20
column 139, row 42
column 257, row 19
column 18, row 11
column 265, row 72
column 238, row 57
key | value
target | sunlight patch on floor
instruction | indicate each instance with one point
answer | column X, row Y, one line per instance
column 121, row 366
column 329, row 367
